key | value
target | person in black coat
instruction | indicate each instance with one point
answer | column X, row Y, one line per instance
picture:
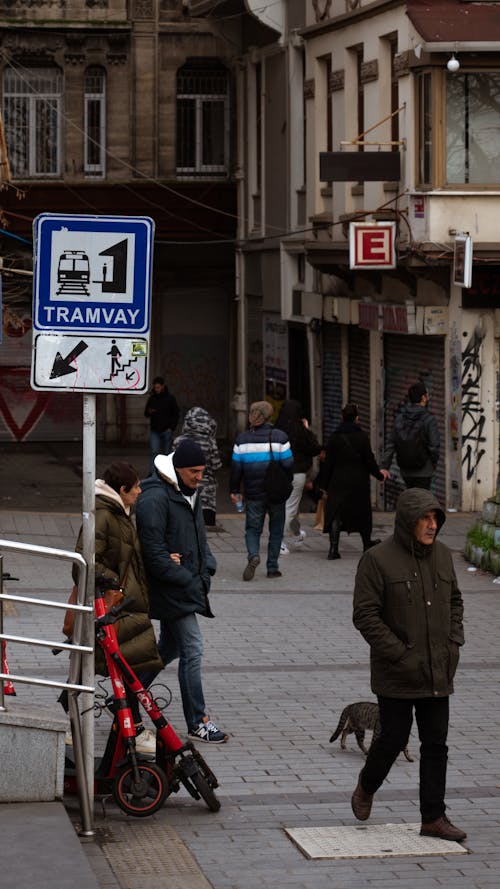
column 304, row 446
column 163, row 412
column 348, row 465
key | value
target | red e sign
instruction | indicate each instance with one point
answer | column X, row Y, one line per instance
column 372, row 245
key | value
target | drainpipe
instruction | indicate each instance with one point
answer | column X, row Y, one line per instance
column 239, row 402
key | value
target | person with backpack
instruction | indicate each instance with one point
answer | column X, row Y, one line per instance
column 414, row 440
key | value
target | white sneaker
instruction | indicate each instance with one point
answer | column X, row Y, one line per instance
column 284, row 551
column 299, row 539
column 145, row 743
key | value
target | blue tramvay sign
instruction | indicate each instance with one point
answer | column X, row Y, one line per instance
column 92, row 274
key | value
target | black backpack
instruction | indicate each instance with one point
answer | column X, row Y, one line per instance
column 409, row 439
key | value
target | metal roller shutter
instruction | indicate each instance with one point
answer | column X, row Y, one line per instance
column 332, row 378
column 359, row 373
column 408, row 359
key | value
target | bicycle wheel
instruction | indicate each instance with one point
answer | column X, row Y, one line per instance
column 205, row 791
column 144, row 799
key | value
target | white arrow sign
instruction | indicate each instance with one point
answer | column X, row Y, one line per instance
column 89, row 363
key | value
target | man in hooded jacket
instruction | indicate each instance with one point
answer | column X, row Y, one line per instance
column 408, row 607
column 179, row 565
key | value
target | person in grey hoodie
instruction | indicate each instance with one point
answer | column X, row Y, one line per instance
column 408, row 607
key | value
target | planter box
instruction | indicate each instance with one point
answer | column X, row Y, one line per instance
column 488, row 530
column 490, row 511
column 495, row 562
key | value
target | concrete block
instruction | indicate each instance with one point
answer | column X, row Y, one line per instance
column 32, row 753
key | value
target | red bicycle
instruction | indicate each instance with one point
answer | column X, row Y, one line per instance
column 140, row 786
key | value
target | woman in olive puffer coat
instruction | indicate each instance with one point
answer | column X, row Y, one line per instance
column 118, row 556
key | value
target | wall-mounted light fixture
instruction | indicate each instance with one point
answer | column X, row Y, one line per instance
column 315, row 325
column 453, row 64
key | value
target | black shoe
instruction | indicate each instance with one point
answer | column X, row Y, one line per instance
column 333, row 554
column 274, row 574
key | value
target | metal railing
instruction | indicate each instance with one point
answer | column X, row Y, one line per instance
column 77, row 650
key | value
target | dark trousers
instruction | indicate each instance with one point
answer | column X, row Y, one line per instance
column 396, row 717
column 417, row 481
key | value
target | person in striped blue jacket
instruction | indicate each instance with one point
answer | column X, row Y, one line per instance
column 250, row 461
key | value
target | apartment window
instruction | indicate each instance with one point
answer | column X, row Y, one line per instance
column 32, row 119
column 202, row 118
column 472, row 128
column 394, row 96
column 361, row 98
column 424, row 103
column 94, row 121
column 258, row 126
column 327, row 72
column 458, row 128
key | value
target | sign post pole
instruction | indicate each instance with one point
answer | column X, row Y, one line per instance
column 88, row 537
column 91, row 324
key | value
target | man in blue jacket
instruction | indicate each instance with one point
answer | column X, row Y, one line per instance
column 179, row 565
column 250, row 461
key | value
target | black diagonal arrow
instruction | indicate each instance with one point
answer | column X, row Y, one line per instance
column 62, row 365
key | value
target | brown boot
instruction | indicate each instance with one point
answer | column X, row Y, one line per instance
column 361, row 803
column 443, row 829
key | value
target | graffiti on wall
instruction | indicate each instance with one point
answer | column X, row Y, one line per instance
column 455, row 466
column 473, row 418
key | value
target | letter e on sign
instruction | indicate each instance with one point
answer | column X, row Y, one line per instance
column 372, row 245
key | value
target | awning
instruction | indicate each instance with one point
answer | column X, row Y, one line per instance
column 449, row 21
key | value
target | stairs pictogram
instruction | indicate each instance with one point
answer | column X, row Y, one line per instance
column 122, row 370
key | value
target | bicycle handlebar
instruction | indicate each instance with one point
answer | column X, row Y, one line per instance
column 105, row 583
column 114, row 614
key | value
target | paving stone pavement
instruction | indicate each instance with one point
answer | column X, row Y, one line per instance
column 281, row 660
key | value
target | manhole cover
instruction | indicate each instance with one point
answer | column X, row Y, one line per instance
column 373, row 841
column 151, row 856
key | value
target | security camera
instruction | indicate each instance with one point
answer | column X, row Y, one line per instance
column 453, row 64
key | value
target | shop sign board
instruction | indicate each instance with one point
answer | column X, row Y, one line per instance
column 372, row 245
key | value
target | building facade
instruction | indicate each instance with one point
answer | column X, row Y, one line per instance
column 420, row 81
column 121, row 108
column 355, row 121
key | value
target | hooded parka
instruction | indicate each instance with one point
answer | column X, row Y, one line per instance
column 408, row 607
column 118, row 556
column 199, row 426
column 169, row 522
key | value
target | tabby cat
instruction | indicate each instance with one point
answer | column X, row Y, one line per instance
column 357, row 718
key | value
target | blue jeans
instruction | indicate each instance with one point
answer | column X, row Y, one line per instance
column 256, row 511
column 182, row 639
column 161, row 443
